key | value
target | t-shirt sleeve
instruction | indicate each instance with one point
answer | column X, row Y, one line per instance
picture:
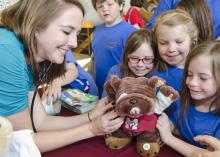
column 173, row 111
column 14, row 80
column 217, row 133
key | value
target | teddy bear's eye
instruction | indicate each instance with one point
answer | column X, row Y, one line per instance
column 133, row 101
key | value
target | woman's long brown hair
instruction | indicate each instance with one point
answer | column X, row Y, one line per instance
column 25, row 18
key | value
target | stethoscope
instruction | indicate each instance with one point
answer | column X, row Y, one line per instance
column 42, row 79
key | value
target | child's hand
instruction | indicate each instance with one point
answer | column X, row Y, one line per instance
column 164, row 127
column 102, row 107
column 106, row 123
column 54, row 90
column 211, row 142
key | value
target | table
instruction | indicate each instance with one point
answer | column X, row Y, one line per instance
column 95, row 147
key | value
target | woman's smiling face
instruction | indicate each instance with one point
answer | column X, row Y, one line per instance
column 59, row 36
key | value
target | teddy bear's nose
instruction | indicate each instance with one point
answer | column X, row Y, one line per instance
column 135, row 111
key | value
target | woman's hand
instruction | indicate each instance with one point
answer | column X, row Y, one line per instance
column 164, row 127
column 101, row 108
column 106, row 123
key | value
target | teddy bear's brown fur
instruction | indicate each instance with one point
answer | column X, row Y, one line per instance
column 135, row 99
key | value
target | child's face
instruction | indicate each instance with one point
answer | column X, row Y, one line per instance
column 141, row 61
column 200, row 80
column 59, row 36
column 109, row 11
column 173, row 44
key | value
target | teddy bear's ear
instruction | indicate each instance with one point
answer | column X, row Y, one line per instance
column 115, row 81
column 111, row 87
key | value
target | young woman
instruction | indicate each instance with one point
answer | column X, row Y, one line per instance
column 34, row 39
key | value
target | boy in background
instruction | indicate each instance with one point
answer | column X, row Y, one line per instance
column 109, row 38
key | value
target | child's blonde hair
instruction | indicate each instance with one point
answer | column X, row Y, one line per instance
column 177, row 17
column 174, row 18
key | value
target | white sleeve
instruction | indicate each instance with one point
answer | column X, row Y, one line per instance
column 162, row 102
column 22, row 145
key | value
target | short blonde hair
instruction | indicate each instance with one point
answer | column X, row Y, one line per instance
column 177, row 17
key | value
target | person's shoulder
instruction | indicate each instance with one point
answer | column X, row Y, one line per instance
column 116, row 67
column 175, row 69
column 100, row 26
column 126, row 25
column 124, row 28
column 116, row 70
column 8, row 37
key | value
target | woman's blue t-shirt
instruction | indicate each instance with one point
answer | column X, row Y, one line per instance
column 16, row 78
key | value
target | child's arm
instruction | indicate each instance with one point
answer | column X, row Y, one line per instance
column 55, row 87
column 164, row 127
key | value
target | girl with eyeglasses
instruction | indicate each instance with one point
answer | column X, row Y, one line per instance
column 140, row 57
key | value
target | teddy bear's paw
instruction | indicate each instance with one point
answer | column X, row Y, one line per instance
column 156, row 82
column 148, row 149
column 169, row 92
column 116, row 142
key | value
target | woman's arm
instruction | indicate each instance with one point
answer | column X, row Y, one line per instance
column 44, row 122
column 56, row 131
column 105, row 124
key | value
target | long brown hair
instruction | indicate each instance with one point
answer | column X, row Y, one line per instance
column 25, row 18
column 212, row 50
column 135, row 40
column 173, row 18
column 200, row 13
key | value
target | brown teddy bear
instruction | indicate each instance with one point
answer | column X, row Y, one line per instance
column 137, row 101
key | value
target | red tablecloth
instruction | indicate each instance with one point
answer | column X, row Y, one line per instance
column 95, row 147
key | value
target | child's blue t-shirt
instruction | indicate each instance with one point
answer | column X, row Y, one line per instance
column 16, row 78
column 84, row 81
column 165, row 5
column 173, row 77
column 108, row 44
column 196, row 122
